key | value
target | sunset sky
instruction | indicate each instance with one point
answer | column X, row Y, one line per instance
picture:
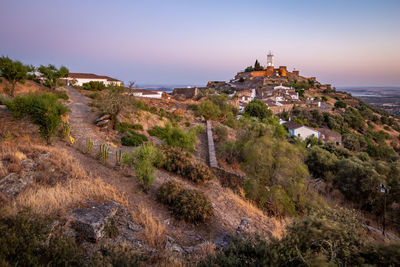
column 343, row 42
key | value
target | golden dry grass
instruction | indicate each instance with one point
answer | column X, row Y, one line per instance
column 154, row 230
column 50, row 200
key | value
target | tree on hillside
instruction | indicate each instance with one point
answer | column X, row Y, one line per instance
column 131, row 84
column 258, row 109
column 52, row 75
column 257, row 66
column 14, row 72
column 113, row 102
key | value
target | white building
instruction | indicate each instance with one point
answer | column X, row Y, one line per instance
column 147, row 94
column 301, row 131
column 281, row 87
column 80, row 78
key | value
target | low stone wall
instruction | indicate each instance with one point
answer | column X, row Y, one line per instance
column 227, row 178
column 211, row 147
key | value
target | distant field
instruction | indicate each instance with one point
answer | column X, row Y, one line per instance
column 387, row 98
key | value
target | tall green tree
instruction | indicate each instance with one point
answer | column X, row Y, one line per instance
column 257, row 66
column 14, row 72
column 52, row 75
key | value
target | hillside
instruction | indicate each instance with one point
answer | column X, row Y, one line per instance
column 91, row 176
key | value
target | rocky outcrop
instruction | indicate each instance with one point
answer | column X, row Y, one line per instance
column 244, row 226
column 103, row 120
column 90, row 222
column 13, row 183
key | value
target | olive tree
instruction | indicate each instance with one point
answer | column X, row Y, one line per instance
column 52, row 75
column 14, row 72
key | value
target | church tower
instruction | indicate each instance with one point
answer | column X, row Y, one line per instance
column 270, row 59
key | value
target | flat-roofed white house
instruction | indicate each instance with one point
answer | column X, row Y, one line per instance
column 301, row 131
column 80, row 78
column 146, row 93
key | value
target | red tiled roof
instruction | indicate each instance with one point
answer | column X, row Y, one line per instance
column 75, row 75
column 292, row 125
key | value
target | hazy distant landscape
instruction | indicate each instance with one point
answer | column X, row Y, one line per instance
column 387, row 98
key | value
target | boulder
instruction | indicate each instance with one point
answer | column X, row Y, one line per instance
column 222, row 241
column 11, row 185
column 28, row 164
column 90, row 222
column 3, row 107
column 172, row 246
column 244, row 226
column 104, row 117
column 102, row 123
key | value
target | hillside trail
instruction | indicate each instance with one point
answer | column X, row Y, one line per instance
column 82, row 120
column 230, row 209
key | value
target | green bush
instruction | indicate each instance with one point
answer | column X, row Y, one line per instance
column 23, row 243
column 327, row 238
column 125, row 126
column 141, row 105
column 221, row 132
column 175, row 136
column 133, row 139
column 43, row 109
column 208, row 110
column 340, row 104
column 189, row 205
column 143, row 160
column 160, row 132
column 193, row 107
column 94, row 86
column 61, row 95
column 176, row 161
column 258, row 109
column 153, row 110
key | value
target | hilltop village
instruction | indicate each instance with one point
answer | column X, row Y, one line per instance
column 271, row 168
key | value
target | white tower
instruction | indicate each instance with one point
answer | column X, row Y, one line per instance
column 270, row 59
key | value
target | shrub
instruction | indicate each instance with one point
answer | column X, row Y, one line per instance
column 258, row 109
column 193, row 107
column 175, row 160
column 160, row 132
column 221, row 132
column 94, row 86
column 144, row 160
column 153, row 110
column 125, row 126
column 44, row 110
column 208, row 110
column 328, row 238
column 169, row 192
column 23, row 242
column 133, row 139
column 340, row 104
column 175, row 136
column 189, row 205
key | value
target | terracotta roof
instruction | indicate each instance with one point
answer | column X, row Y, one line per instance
column 83, row 76
column 90, row 76
column 292, row 125
column 328, row 132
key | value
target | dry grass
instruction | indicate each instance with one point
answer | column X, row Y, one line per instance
column 154, row 230
column 13, row 167
column 3, row 170
column 50, row 200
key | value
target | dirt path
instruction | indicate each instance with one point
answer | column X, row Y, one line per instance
column 82, row 123
column 229, row 208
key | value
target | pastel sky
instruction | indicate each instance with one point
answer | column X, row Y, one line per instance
column 343, row 42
